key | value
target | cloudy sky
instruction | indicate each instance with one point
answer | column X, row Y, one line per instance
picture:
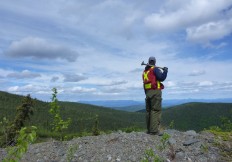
column 92, row 50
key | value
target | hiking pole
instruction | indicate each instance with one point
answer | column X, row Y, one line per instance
column 151, row 65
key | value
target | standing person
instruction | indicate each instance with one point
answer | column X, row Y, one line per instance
column 152, row 78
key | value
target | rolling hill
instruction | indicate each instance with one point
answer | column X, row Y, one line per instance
column 82, row 115
column 196, row 115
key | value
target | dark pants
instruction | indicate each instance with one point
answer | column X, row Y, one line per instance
column 153, row 107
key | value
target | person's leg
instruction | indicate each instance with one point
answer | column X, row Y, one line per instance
column 148, row 110
column 155, row 114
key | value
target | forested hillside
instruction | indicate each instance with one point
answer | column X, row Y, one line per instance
column 82, row 115
column 197, row 116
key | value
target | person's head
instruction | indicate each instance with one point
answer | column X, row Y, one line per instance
column 151, row 60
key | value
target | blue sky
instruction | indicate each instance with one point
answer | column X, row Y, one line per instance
column 92, row 50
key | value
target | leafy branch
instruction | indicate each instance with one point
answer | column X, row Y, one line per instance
column 26, row 136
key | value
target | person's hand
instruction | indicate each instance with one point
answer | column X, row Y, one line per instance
column 165, row 69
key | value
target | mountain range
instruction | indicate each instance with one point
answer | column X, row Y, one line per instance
column 133, row 106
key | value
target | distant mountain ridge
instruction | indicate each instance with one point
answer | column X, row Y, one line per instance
column 174, row 102
column 113, row 103
column 133, row 106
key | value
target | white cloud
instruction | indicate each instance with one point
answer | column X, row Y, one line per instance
column 181, row 14
column 201, row 89
column 112, row 83
column 206, row 83
column 197, row 73
column 22, row 89
column 13, row 89
column 74, row 77
column 112, row 39
column 209, row 31
column 40, row 49
column 170, row 84
column 23, row 75
column 82, row 90
column 5, row 72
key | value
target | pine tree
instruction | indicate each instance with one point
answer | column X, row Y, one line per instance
column 23, row 113
column 96, row 130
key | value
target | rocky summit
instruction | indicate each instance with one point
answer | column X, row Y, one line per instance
column 173, row 146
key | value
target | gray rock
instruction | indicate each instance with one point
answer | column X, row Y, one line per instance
column 120, row 146
column 109, row 157
column 190, row 142
column 172, row 141
column 40, row 160
column 191, row 133
column 180, row 156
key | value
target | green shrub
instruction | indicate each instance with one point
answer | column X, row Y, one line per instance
column 164, row 141
column 151, row 157
column 132, row 129
column 71, row 151
column 26, row 136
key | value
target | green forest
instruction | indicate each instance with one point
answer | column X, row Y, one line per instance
column 191, row 116
column 198, row 116
column 82, row 115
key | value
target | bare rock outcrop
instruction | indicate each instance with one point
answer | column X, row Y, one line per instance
column 136, row 146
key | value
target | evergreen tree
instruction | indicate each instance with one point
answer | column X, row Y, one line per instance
column 95, row 129
column 23, row 113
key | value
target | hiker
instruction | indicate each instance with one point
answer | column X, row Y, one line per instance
column 152, row 78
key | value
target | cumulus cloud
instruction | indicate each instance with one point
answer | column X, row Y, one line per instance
column 206, row 83
column 170, row 84
column 40, row 49
column 197, row 72
column 115, row 66
column 203, row 21
column 202, row 88
column 23, row 75
column 178, row 15
column 29, row 88
column 82, row 90
column 74, row 77
column 26, row 88
column 209, row 31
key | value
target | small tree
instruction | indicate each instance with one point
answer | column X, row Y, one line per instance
column 3, row 131
column 95, row 129
column 26, row 136
column 58, row 125
column 226, row 124
column 23, row 113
